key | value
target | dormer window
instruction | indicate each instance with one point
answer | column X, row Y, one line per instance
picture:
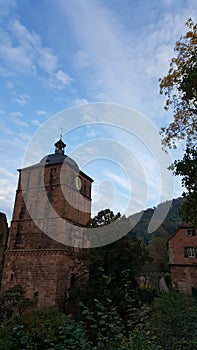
column 190, row 232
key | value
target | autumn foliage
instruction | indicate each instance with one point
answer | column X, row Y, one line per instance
column 180, row 88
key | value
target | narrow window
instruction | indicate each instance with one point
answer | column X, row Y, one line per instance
column 21, row 213
column 52, row 175
column 190, row 252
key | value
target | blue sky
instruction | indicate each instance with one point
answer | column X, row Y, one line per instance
column 55, row 55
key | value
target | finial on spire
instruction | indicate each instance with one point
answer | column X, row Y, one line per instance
column 61, row 134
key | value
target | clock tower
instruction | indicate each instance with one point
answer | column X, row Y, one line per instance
column 52, row 208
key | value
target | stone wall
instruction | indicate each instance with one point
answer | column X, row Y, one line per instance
column 184, row 278
column 46, row 274
column 4, row 233
column 47, row 232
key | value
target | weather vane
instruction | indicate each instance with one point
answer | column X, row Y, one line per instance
column 61, row 133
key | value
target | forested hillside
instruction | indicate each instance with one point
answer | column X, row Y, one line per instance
column 168, row 226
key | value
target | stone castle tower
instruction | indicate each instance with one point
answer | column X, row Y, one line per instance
column 52, row 207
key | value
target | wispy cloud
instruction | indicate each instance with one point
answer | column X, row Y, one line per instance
column 41, row 113
column 36, row 122
column 88, row 118
column 122, row 182
column 81, row 59
column 5, row 173
column 59, row 80
column 125, row 65
column 22, row 52
column 5, row 7
column 80, row 101
column 22, row 99
column 16, row 118
column 101, row 55
column 7, row 191
column 16, row 114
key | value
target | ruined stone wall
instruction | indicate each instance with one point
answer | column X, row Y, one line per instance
column 44, row 274
column 4, row 233
column 184, row 278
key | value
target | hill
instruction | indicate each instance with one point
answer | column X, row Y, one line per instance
column 168, row 226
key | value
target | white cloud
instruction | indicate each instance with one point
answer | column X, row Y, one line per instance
column 116, row 62
column 6, row 173
column 62, row 77
column 41, row 113
column 80, row 101
column 47, row 60
column 81, row 59
column 103, row 196
column 36, row 122
column 22, row 99
column 90, row 132
column 7, row 191
column 16, row 114
column 9, row 85
column 125, row 65
column 5, row 7
column 15, row 59
column 6, row 130
column 167, row 2
column 16, row 117
column 24, row 136
column 125, row 183
column 22, row 52
column 89, row 118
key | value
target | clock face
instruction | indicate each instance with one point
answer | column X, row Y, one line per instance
column 78, row 182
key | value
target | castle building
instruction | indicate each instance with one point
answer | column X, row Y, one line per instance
column 183, row 259
column 52, row 208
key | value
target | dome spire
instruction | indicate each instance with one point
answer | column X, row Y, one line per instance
column 59, row 146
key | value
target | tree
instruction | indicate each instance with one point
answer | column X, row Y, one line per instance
column 106, row 227
column 187, row 168
column 157, row 249
column 114, row 259
column 110, row 296
column 180, row 87
column 104, row 217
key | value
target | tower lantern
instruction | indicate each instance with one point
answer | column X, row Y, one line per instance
column 59, row 146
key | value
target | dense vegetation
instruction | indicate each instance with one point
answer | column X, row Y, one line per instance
column 168, row 322
column 114, row 310
column 187, row 169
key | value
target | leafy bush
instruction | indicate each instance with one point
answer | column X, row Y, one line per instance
column 45, row 329
column 174, row 321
